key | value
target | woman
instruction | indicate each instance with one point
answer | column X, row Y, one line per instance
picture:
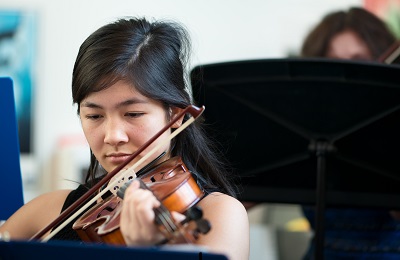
column 353, row 34
column 129, row 81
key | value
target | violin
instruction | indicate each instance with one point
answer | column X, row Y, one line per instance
column 172, row 183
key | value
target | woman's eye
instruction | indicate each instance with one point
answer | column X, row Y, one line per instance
column 93, row 117
column 134, row 114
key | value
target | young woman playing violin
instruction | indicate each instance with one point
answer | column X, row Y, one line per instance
column 129, row 81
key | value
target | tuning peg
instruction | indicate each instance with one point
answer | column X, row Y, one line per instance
column 203, row 226
column 193, row 213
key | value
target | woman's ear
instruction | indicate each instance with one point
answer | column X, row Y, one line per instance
column 175, row 111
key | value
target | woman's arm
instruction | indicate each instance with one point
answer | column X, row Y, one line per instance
column 34, row 215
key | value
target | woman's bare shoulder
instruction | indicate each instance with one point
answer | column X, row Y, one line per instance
column 229, row 232
column 222, row 207
column 222, row 200
column 51, row 203
column 53, row 198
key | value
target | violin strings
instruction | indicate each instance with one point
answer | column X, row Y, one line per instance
column 164, row 217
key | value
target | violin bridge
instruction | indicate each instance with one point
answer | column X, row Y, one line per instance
column 120, row 179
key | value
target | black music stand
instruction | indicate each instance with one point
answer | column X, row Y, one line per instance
column 307, row 131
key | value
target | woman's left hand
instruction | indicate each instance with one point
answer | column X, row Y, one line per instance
column 137, row 216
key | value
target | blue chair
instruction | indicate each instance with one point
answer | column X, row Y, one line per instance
column 11, row 192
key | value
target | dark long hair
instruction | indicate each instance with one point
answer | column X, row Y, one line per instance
column 372, row 30
column 153, row 57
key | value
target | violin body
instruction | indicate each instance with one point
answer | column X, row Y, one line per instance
column 106, row 212
column 170, row 181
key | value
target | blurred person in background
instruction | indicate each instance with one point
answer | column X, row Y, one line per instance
column 353, row 233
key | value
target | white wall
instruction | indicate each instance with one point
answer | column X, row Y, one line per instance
column 221, row 31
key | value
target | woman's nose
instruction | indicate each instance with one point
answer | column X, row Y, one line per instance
column 115, row 133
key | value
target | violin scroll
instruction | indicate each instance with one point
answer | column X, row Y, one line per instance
column 202, row 225
column 183, row 232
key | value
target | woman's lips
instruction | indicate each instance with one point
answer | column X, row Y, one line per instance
column 117, row 158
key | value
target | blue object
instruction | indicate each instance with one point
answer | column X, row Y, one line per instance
column 11, row 192
column 357, row 233
column 72, row 250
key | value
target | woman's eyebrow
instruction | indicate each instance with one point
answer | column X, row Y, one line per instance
column 90, row 105
column 131, row 101
column 127, row 102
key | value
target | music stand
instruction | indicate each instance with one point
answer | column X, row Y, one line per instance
column 307, row 131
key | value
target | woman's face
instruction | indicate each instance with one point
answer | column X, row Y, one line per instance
column 348, row 45
column 118, row 120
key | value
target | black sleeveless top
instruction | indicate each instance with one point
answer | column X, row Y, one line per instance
column 68, row 233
